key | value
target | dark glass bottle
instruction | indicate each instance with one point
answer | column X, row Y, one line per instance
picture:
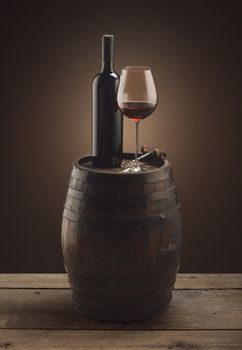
column 107, row 119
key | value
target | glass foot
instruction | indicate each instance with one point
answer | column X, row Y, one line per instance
column 131, row 167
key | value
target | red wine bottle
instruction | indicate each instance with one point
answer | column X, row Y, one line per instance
column 107, row 119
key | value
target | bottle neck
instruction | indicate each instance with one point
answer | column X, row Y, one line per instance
column 107, row 54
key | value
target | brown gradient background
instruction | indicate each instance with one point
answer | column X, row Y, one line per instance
column 50, row 52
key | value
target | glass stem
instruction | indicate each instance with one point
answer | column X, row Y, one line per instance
column 137, row 145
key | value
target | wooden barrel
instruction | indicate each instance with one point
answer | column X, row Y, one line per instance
column 121, row 237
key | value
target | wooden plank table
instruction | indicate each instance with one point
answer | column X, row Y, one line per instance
column 37, row 312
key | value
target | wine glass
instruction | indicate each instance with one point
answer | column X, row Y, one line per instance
column 137, row 99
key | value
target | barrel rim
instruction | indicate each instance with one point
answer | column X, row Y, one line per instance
column 79, row 161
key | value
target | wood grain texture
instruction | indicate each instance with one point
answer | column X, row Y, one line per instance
column 37, row 312
column 209, row 281
column 97, row 340
column 54, row 309
column 184, row 281
column 31, row 280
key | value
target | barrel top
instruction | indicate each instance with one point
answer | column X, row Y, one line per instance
column 151, row 166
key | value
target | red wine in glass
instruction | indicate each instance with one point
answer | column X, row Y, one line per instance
column 137, row 111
